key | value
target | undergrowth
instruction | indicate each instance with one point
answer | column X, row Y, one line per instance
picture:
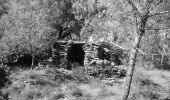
column 4, row 81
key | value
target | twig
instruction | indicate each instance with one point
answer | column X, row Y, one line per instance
column 159, row 13
column 141, row 51
column 118, row 46
column 165, row 28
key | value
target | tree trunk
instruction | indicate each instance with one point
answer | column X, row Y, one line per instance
column 131, row 67
column 32, row 63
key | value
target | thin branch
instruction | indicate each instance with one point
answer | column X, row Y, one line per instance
column 166, row 28
column 141, row 51
column 74, row 42
column 118, row 46
column 134, row 7
column 159, row 13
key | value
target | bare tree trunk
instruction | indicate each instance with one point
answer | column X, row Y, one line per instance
column 131, row 67
column 32, row 63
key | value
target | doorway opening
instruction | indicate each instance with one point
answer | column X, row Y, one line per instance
column 75, row 55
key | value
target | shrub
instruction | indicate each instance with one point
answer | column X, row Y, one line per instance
column 4, row 80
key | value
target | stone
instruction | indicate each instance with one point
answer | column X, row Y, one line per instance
column 112, row 64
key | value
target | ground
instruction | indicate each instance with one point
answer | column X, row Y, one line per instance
column 61, row 84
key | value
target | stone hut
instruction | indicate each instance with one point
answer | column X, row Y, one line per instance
column 65, row 53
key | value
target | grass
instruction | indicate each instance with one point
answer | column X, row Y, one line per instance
column 30, row 94
column 54, row 84
column 150, row 85
column 80, row 75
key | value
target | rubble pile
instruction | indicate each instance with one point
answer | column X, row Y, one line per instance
column 105, row 69
column 102, row 62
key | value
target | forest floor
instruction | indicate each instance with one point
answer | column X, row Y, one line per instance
column 60, row 84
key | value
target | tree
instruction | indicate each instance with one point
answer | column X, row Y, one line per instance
column 143, row 12
column 91, row 13
column 62, row 19
column 26, row 28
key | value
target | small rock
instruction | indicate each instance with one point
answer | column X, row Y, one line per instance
column 112, row 64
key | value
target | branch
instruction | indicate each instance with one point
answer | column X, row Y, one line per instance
column 134, row 7
column 74, row 42
column 141, row 51
column 166, row 28
column 118, row 46
column 159, row 13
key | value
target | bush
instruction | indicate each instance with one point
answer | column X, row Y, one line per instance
column 4, row 80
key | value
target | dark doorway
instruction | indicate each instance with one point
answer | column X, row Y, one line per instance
column 113, row 54
column 75, row 54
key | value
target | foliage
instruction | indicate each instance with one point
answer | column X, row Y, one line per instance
column 155, row 41
column 4, row 81
column 25, row 28
column 62, row 20
column 32, row 26
column 5, row 72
